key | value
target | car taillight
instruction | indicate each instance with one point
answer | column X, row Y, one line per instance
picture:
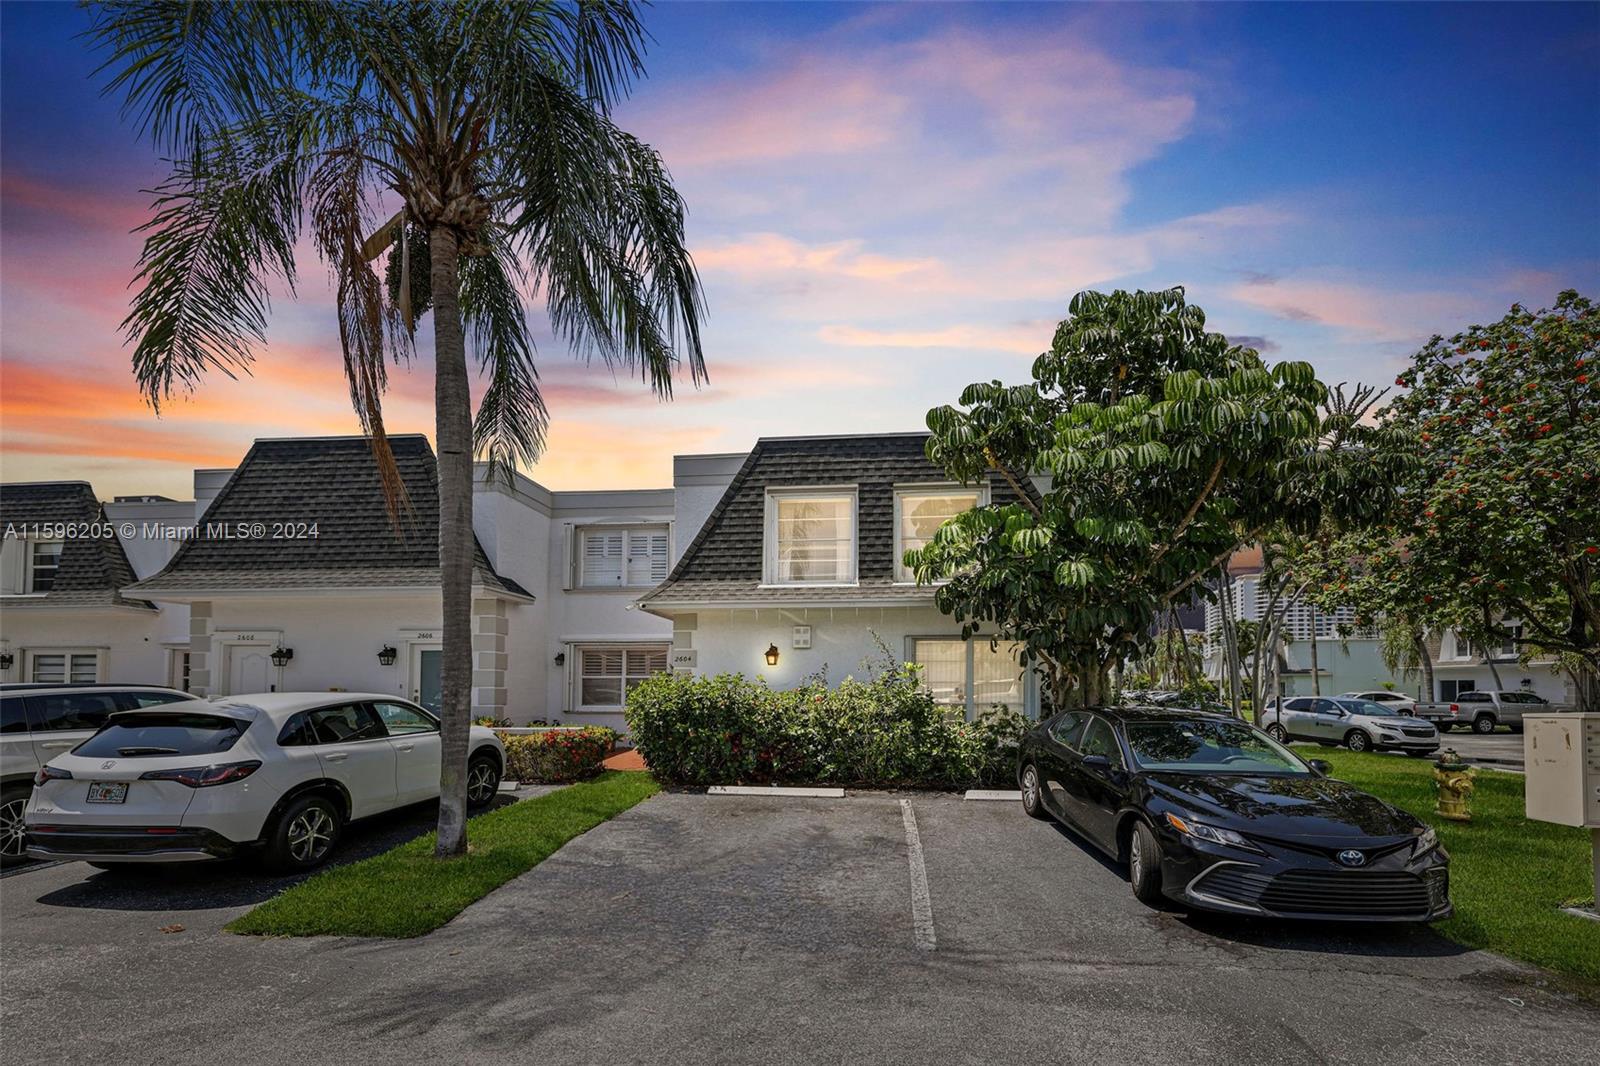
column 1455, row 708
column 205, row 776
column 51, row 773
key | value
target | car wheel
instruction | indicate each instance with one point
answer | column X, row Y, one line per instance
column 1484, row 723
column 1277, row 732
column 1032, row 799
column 13, row 829
column 1357, row 740
column 483, row 780
column 1144, row 864
column 305, row 834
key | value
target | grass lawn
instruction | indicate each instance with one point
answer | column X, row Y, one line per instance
column 407, row 892
column 1508, row 876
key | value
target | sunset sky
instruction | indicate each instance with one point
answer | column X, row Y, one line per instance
column 888, row 202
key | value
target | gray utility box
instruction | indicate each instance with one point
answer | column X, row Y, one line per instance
column 1562, row 756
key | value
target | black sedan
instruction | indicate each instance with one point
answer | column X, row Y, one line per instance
column 1216, row 815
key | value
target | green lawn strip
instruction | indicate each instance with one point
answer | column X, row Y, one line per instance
column 407, row 892
column 1509, row 876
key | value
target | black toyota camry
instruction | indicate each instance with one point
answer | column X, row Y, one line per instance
column 1216, row 815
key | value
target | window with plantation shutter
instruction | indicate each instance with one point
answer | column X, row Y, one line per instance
column 62, row 668
column 623, row 557
column 606, row 673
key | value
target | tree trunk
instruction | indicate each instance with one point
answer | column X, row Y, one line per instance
column 453, row 436
column 1488, row 660
column 1426, row 659
column 1230, row 640
column 1316, row 671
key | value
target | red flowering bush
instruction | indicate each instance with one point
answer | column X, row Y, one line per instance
column 557, row 756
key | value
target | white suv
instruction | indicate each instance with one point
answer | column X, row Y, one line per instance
column 1395, row 701
column 279, row 772
column 40, row 721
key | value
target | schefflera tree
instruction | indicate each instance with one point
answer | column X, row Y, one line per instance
column 1158, row 449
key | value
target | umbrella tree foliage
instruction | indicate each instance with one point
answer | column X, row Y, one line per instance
column 1166, row 449
column 479, row 131
column 1496, row 529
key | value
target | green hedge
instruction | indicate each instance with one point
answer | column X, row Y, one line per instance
column 558, row 756
column 882, row 733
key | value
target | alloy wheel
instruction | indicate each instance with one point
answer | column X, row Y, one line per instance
column 1135, row 859
column 13, row 835
column 481, row 783
column 1030, row 788
column 1357, row 740
column 310, row 835
column 1275, row 731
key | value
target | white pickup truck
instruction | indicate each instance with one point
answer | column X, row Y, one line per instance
column 1486, row 709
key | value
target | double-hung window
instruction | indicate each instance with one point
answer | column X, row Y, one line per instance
column 811, row 538
column 607, row 673
column 44, row 560
column 623, row 557
column 971, row 677
column 918, row 514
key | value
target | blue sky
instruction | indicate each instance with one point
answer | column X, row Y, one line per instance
column 890, row 201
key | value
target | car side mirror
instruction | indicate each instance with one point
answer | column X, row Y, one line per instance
column 1097, row 762
column 1320, row 767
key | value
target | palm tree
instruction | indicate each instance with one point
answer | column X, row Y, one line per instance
column 480, row 135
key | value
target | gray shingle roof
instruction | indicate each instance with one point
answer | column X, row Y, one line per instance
column 93, row 569
column 332, row 482
column 723, row 564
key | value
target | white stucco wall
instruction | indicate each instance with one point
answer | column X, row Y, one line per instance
column 698, row 482
column 129, row 641
column 845, row 641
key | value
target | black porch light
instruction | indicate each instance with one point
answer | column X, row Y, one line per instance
column 6, row 659
column 387, row 655
column 772, row 655
column 281, row 656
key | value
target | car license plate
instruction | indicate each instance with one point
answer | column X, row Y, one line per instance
column 108, row 791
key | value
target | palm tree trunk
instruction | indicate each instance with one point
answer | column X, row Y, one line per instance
column 453, row 430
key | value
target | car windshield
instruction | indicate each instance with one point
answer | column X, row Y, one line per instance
column 1209, row 747
column 1368, row 707
column 135, row 735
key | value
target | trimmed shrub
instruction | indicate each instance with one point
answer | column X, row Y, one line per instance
column 883, row 733
column 558, row 756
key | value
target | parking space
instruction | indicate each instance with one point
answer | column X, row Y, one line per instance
column 766, row 930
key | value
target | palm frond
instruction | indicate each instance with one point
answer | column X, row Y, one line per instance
column 512, row 420
column 224, row 224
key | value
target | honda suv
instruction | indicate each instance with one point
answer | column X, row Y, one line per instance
column 39, row 722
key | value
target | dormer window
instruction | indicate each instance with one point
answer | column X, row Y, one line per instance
column 918, row 514
column 44, row 560
column 811, row 537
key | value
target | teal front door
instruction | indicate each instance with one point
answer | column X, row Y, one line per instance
column 425, row 678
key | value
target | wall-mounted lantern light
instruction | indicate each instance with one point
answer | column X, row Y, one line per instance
column 6, row 659
column 387, row 655
column 281, row 656
column 772, row 655
column 561, row 658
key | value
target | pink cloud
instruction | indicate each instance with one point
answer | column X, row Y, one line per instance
column 1029, row 338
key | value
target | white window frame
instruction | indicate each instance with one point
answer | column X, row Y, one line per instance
column 575, row 664
column 641, row 529
column 903, row 576
column 769, row 570
column 179, row 668
column 970, row 708
column 31, row 656
column 31, row 567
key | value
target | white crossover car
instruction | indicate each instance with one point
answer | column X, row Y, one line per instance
column 280, row 773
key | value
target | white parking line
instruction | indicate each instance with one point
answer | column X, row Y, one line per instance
column 921, row 901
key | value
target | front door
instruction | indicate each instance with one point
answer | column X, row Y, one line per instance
column 249, row 667
column 425, row 687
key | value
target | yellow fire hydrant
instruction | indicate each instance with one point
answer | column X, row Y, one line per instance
column 1453, row 779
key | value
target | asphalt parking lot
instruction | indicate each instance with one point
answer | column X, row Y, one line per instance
column 698, row 929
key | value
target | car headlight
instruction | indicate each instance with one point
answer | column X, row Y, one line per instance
column 1209, row 833
column 1427, row 840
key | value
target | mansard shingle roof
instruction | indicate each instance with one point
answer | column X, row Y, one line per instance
column 724, row 563
column 331, row 482
column 93, row 568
